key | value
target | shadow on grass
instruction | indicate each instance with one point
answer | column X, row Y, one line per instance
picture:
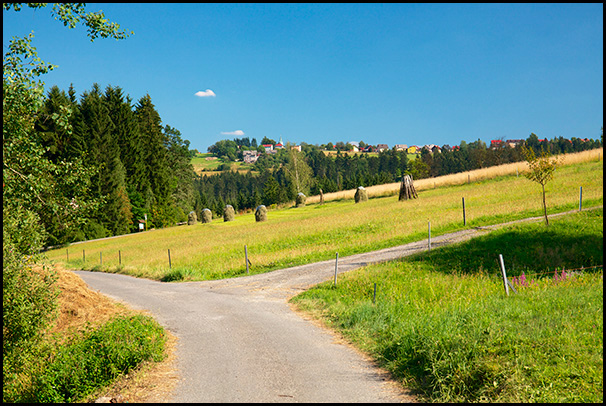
column 570, row 242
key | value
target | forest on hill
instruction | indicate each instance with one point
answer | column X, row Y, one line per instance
column 139, row 168
column 279, row 181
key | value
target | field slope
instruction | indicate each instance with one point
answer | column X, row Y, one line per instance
column 294, row 236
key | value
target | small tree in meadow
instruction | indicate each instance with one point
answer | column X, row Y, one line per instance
column 541, row 169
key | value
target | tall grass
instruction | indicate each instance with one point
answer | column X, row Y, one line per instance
column 442, row 324
column 294, row 236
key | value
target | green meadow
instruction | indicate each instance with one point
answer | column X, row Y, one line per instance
column 443, row 325
column 201, row 164
column 294, row 236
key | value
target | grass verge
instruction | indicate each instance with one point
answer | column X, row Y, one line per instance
column 96, row 346
column 442, row 324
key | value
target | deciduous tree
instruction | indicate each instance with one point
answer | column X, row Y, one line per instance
column 541, row 169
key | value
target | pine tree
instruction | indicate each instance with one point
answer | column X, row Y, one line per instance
column 182, row 171
column 157, row 195
column 110, row 184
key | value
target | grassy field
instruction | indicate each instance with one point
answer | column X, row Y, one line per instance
column 209, row 165
column 294, row 236
column 443, row 325
column 516, row 168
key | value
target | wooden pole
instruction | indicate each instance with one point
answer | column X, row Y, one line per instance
column 169, row 263
column 464, row 220
column 119, row 257
column 429, row 235
column 246, row 257
column 581, row 198
column 67, row 253
column 101, row 258
column 504, row 274
column 83, row 257
column 336, row 268
column 374, row 295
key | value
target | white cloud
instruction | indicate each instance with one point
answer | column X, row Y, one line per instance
column 206, row 93
column 237, row 132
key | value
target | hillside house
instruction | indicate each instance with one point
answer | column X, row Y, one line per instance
column 297, row 147
column 250, row 157
column 382, row 147
column 495, row 144
column 413, row 149
column 401, row 147
column 514, row 143
column 268, row 147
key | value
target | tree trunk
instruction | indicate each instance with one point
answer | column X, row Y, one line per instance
column 545, row 206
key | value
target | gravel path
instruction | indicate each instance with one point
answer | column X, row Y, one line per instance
column 239, row 341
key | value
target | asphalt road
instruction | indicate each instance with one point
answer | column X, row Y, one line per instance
column 239, row 341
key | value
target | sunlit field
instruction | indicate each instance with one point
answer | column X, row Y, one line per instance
column 516, row 168
column 293, row 236
column 442, row 324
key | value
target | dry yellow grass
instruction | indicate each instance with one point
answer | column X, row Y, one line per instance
column 458, row 178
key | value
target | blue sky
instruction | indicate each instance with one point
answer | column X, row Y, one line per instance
column 380, row 73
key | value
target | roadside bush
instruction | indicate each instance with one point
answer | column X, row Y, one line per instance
column 98, row 357
column 29, row 296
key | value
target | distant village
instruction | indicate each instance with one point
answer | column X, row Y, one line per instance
column 251, row 156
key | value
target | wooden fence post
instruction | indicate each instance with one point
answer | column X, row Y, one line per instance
column 429, row 236
column 464, row 220
column 504, row 274
column 83, row 257
column 119, row 257
column 505, row 280
column 169, row 263
column 246, row 257
column 580, row 198
column 336, row 268
column 374, row 295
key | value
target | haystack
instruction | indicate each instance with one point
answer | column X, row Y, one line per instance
column 229, row 214
column 261, row 213
column 301, row 198
column 207, row 216
column 361, row 195
column 192, row 218
column 407, row 188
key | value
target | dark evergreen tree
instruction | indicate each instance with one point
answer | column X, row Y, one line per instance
column 157, row 195
column 182, row 171
column 115, row 217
